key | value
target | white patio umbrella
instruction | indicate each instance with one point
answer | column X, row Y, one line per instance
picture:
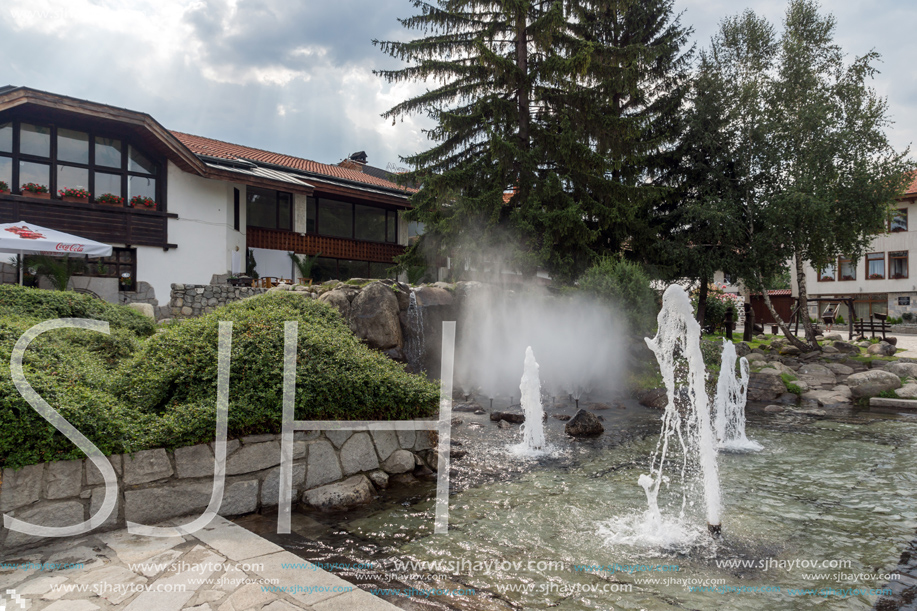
column 29, row 239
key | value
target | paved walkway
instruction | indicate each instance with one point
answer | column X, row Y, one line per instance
column 222, row 567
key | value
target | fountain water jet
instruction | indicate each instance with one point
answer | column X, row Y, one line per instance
column 533, row 441
column 729, row 404
column 678, row 337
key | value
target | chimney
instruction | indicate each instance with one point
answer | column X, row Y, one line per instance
column 355, row 161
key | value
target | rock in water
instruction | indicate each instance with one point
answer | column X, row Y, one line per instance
column 584, row 424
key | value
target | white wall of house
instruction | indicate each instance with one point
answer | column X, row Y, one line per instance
column 203, row 231
column 903, row 241
column 275, row 263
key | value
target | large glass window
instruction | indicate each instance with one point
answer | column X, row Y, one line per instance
column 346, row 220
column 847, row 268
column 141, row 185
column 310, row 214
column 38, row 173
column 108, row 152
column 6, row 171
column 268, row 209
column 369, row 223
column 898, row 221
column 107, row 184
column 335, row 218
column 137, row 162
column 897, row 264
column 35, row 140
column 72, row 146
column 69, row 177
column 875, row 266
column 60, row 158
column 6, row 137
column 826, row 274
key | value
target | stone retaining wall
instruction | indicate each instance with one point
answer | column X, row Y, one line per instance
column 157, row 485
column 189, row 300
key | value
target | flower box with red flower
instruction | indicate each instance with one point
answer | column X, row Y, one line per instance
column 33, row 189
column 4, row 188
column 110, row 199
column 75, row 195
column 144, row 203
column 876, row 276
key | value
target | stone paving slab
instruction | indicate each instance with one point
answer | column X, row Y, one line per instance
column 222, row 567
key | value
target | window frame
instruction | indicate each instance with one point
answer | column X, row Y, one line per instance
column 821, row 271
column 906, row 264
column 840, row 265
column 53, row 163
column 903, row 212
column 277, row 193
column 880, row 257
column 391, row 219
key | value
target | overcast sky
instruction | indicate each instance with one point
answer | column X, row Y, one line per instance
column 296, row 77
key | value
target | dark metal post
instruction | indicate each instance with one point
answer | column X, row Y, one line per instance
column 729, row 315
column 749, row 332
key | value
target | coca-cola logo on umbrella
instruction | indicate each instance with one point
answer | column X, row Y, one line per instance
column 25, row 233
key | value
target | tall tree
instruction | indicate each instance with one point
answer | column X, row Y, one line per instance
column 548, row 116
column 814, row 171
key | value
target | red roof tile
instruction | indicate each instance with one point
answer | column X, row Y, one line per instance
column 912, row 189
column 225, row 150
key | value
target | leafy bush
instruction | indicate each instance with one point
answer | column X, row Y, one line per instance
column 126, row 393
column 718, row 303
column 627, row 286
column 46, row 305
column 908, row 317
column 71, row 370
column 175, row 374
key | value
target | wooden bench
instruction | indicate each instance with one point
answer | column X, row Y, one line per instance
column 860, row 327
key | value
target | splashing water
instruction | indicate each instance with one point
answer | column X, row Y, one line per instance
column 729, row 404
column 414, row 347
column 533, row 441
column 677, row 343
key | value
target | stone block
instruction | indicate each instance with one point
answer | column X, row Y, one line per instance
column 63, row 479
column 386, row 443
column 194, row 461
column 338, row 437
column 424, row 441
column 94, row 477
column 358, row 454
column 146, row 466
column 400, row 461
column 254, row 457
column 239, row 498
column 54, row 513
column 95, row 502
column 406, row 439
column 351, row 492
column 153, row 505
column 20, row 487
column 323, row 466
column 270, row 487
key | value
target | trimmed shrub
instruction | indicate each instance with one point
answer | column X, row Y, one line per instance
column 337, row 377
column 127, row 393
column 627, row 286
column 46, row 305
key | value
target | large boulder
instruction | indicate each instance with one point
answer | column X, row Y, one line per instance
column 144, row 308
column 839, row 370
column 742, row 349
column 816, row 375
column 432, row 296
column 351, row 492
column 871, row 383
column 839, row 395
column 846, row 347
column 790, row 351
column 903, row 370
column 833, row 337
column 374, row 317
column 765, row 386
column 882, row 349
column 656, row 398
column 584, row 424
column 908, row 391
column 338, row 300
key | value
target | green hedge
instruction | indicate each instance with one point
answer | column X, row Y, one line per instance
column 45, row 305
column 127, row 393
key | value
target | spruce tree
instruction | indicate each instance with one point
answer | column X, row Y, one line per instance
column 551, row 120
